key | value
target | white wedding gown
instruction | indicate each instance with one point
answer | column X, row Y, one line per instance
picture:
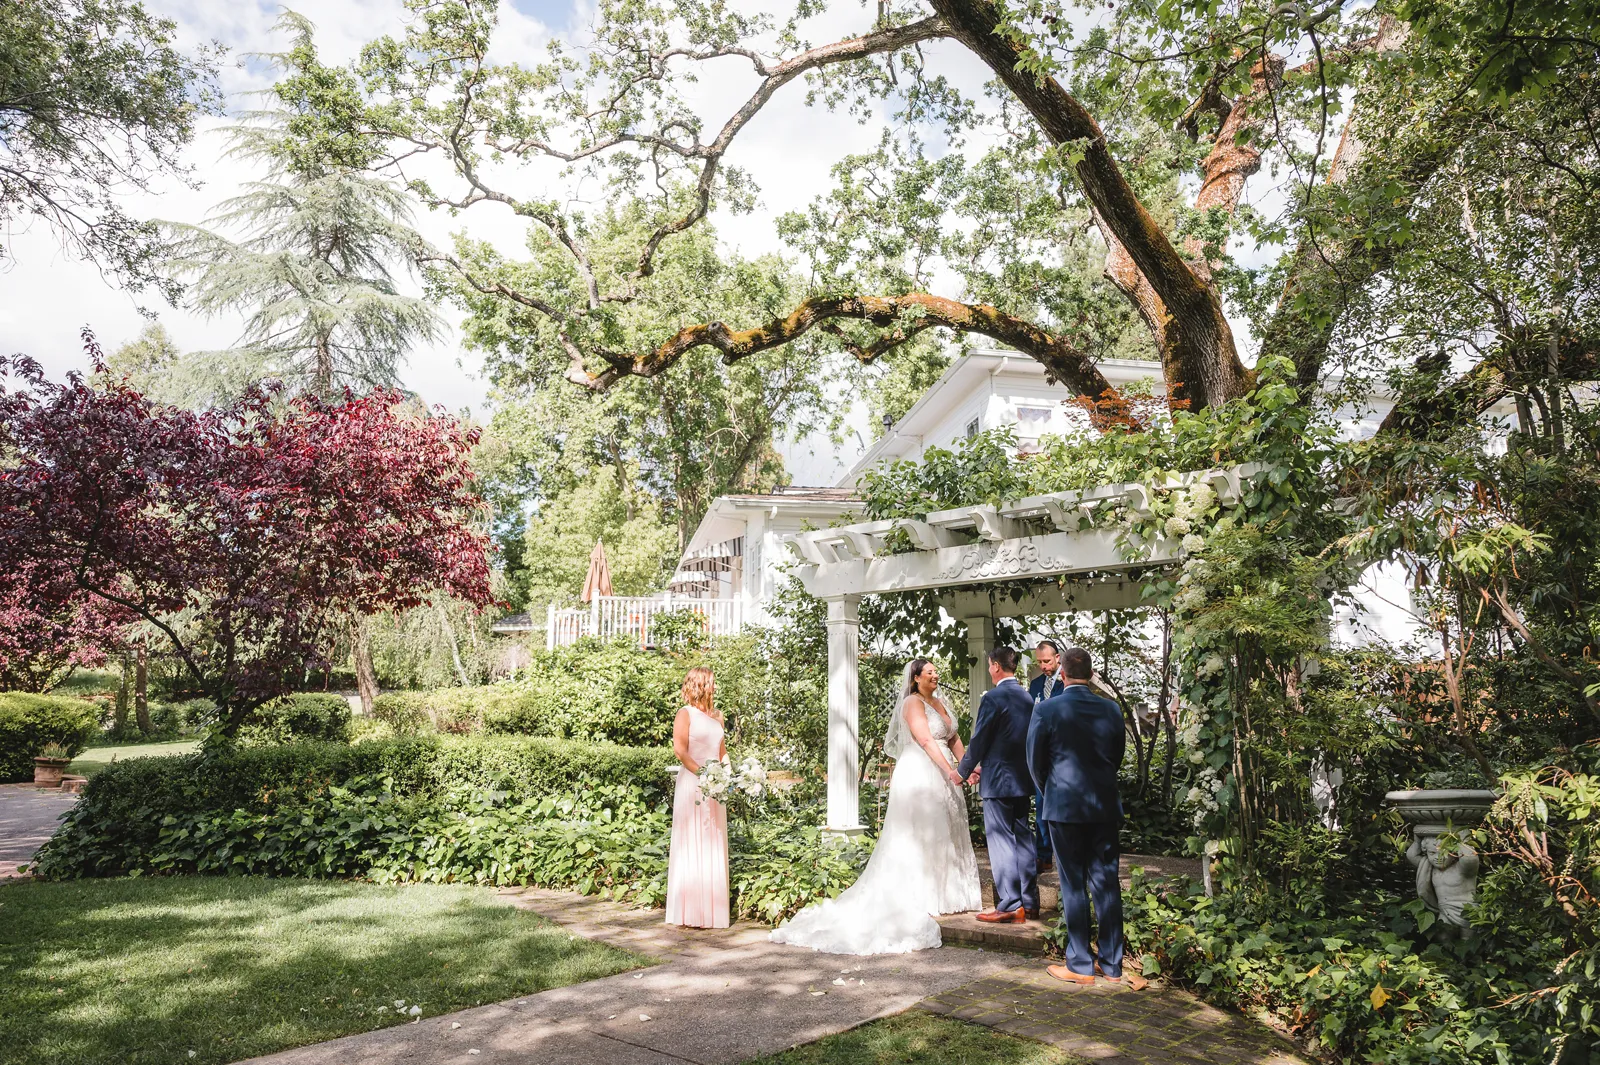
column 923, row 865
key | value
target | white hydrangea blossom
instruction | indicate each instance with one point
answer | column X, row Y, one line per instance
column 1177, row 526
column 1193, row 543
column 751, row 777
column 1203, row 796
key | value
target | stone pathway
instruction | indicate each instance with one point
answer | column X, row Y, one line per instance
column 1110, row 1024
column 28, row 817
column 723, row 997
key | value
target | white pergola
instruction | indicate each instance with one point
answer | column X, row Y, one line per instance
column 1065, row 544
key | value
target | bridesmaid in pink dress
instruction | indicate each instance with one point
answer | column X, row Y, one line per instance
column 697, row 863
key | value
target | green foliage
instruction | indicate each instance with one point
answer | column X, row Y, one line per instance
column 1544, row 895
column 606, row 835
column 1362, row 981
column 641, row 545
column 28, row 722
column 117, row 826
column 639, row 464
column 301, row 716
column 80, row 76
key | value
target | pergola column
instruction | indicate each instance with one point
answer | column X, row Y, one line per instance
column 980, row 641
column 844, row 715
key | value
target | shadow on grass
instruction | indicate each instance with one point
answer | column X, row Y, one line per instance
column 143, row 971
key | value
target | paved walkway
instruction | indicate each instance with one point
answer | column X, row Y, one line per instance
column 1110, row 1024
column 28, row 817
column 727, row 996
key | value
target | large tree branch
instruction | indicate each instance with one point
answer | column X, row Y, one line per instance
column 458, row 142
column 1233, row 159
column 888, row 39
column 1431, row 410
column 903, row 316
column 1197, row 347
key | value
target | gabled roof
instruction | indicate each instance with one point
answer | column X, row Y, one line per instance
column 965, row 376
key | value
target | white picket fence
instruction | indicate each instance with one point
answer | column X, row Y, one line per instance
column 610, row 616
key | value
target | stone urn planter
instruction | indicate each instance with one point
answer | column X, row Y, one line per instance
column 47, row 772
column 1447, row 869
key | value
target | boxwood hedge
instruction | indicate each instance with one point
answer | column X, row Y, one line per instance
column 28, row 722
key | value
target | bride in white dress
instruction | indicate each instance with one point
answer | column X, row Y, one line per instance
column 923, row 864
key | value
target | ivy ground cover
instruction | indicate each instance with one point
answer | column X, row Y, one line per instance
column 137, row 971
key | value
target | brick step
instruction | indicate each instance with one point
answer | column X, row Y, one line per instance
column 1029, row 937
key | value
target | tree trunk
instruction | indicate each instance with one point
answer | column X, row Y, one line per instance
column 455, row 648
column 361, row 652
column 119, row 716
column 141, row 688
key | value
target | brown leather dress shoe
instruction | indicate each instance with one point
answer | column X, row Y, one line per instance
column 1017, row 916
column 1061, row 972
column 1134, row 981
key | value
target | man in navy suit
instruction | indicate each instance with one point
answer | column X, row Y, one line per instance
column 1046, row 685
column 999, row 746
column 1075, row 747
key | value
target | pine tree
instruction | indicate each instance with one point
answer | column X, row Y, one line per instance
column 320, row 238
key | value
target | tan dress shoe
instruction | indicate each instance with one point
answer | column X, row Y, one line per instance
column 1061, row 972
column 1017, row 916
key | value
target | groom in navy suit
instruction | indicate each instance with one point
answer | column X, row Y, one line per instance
column 999, row 745
column 1075, row 747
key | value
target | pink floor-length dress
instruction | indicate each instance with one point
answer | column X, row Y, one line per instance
column 697, row 862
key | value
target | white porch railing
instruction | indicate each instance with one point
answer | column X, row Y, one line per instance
column 610, row 616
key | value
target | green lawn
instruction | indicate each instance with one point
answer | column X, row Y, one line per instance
column 918, row 1038
column 96, row 972
column 95, row 759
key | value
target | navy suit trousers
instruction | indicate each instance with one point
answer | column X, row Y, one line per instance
column 1012, row 858
column 1086, row 860
column 1041, row 830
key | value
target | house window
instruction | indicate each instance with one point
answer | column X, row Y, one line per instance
column 1032, row 421
column 972, row 429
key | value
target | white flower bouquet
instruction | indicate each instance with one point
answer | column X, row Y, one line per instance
column 750, row 777
column 715, row 780
column 719, row 779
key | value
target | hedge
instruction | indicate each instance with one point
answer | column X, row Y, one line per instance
column 28, row 722
column 599, row 692
column 116, row 826
column 301, row 716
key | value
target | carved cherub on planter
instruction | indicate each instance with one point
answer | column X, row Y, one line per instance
column 1447, row 876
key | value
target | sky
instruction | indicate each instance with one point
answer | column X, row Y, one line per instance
column 47, row 296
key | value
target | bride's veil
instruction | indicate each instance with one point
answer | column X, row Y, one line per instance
column 897, row 736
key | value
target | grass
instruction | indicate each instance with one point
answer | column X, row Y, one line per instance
column 918, row 1038
column 85, row 682
column 137, row 971
column 95, row 759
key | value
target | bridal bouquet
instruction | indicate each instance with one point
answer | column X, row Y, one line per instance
column 717, row 779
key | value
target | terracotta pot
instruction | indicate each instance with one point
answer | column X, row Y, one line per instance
column 47, row 772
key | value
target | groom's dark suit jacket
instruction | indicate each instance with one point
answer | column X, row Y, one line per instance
column 1075, row 746
column 999, row 742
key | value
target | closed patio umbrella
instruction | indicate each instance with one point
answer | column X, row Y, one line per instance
column 597, row 582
